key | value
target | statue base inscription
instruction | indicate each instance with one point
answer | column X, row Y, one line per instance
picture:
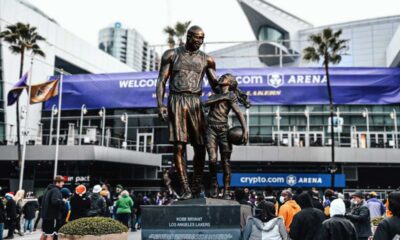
column 202, row 219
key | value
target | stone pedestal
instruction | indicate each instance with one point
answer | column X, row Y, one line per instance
column 200, row 219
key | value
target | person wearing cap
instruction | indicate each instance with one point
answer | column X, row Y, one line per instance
column 98, row 204
column 11, row 215
column 118, row 189
column 389, row 228
column 289, row 208
column 375, row 206
column 80, row 203
column 52, row 207
column 337, row 227
column 360, row 216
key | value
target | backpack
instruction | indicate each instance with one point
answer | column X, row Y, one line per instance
column 97, row 207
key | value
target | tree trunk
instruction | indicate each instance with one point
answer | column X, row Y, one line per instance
column 21, row 68
column 332, row 167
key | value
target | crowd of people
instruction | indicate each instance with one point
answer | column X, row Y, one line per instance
column 21, row 213
column 287, row 214
column 311, row 215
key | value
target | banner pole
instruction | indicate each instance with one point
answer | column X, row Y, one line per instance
column 58, row 123
column 25, row 133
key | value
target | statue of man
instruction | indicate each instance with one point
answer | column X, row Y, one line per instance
column 185, row 67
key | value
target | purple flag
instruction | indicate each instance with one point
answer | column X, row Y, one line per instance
column 16, row 91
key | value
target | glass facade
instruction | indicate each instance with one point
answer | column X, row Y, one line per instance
column 360, row 126
column 287, row 126
column 267, row 33
column 128, row 46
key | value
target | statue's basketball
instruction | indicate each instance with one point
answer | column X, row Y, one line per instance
column 235, row 135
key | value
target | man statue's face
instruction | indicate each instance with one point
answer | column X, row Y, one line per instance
column 196, row 40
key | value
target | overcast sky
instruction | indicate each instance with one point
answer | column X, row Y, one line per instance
column 222, row 20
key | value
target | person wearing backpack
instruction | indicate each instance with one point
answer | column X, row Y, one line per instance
column 29, row 211
column 98, row 204
column 265, row 225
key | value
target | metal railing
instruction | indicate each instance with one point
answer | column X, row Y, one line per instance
column 111, row 142
column 272, row 128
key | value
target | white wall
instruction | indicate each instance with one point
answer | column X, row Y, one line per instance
column 393, row 51
column 59, row 42
column 368, row 41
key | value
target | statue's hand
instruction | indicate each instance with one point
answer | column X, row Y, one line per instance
column 163, row 112
column 245, row 136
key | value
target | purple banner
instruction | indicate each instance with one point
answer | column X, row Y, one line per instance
column 265, row 86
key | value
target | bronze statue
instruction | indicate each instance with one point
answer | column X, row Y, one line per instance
column 185, row 67
column 217, row 131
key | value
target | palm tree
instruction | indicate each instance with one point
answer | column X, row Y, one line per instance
column 176, row 33
column 22, row 38
column 327, row 46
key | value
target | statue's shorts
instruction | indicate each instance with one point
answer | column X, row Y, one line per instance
column 217, row 136
column 186, row 118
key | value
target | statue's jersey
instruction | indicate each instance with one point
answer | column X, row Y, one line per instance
column 187, row 71
column 220, row 106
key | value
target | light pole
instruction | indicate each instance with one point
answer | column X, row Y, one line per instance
column 124, row 118
column 393, row 115
column 278, row 124
column 307, row 115
column 26, row 131
column 58, row 123
column 339, row 125
column 83, row 112
column 365, row 114
column 54, row 112
column 102, row 113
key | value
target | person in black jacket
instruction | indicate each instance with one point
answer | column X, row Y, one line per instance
column 52, row 207
column 29, row 211
column 80, row 203
column 337, row 227
column 359, row 216
column 308, row 221
column 2, row 217
column 389, row 228
column 98, row 206
column 316, row 200
column 40, row 200
column 11, row 215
